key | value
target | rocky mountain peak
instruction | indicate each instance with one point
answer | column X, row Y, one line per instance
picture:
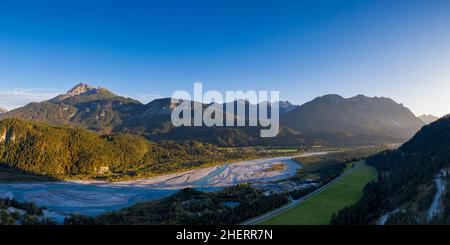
column 82, row 89
column 286, row 106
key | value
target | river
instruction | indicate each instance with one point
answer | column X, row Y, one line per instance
column 94, row 197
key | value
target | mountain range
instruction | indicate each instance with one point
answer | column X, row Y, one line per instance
column 357, row 115
column 330, row 119
column 83, row 106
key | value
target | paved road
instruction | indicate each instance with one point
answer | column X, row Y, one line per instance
column 294, row 203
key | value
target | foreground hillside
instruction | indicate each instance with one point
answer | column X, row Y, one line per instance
column 63, row 152
column 413, row 184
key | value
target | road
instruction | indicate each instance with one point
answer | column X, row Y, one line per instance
column 294, row 203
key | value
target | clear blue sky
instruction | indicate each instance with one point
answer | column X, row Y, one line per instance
column 393, row 48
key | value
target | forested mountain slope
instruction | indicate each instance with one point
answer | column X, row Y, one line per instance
column 63, row 152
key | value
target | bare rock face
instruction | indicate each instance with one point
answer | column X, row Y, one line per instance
column 103, row 170
column 3, row 136
column 80, row 89
column 3, row 110
column 7, row 136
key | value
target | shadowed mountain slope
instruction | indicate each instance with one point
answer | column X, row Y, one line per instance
column 409, row 180
column 331, row 114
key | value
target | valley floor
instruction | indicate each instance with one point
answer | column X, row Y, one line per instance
column 93, row 198
column 318, row 208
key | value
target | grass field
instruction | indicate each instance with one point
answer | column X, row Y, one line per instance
column 318, row 209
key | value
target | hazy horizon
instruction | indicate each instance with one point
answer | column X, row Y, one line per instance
column 304, row 49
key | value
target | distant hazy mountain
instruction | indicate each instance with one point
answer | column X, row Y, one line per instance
column 356, row 115
column 83, row 106
column 413, row 182
column 286, row 106
column 3, row 110
column 427, row 119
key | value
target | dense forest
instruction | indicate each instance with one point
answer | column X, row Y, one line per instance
column 63, row 152
column 406, row 182
column 191, row 207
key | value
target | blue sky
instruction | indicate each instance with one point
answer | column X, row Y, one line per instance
column 304, row 49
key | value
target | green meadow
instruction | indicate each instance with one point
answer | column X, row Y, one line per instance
column 319, row 209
